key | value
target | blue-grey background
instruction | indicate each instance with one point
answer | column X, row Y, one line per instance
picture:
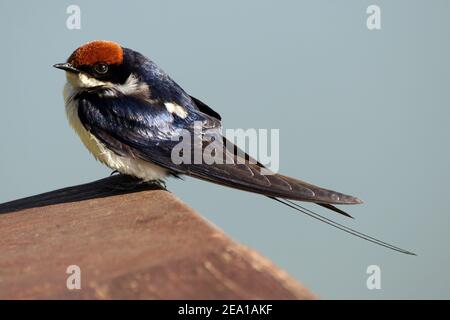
column 363, row 112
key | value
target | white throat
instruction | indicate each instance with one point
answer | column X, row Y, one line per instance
column 131, row 87
column 82, row 80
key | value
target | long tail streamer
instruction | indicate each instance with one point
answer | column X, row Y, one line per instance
column 339, row 226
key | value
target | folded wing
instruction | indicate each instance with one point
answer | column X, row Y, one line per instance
column 147, row 130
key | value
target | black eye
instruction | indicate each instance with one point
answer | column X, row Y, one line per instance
column 101, row 68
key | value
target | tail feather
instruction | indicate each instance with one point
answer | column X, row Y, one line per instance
column 333, row 208
column 339, row 226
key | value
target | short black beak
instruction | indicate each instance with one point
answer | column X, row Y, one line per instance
column 66, row 67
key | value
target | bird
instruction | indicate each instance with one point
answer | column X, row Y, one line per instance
column 131, row 116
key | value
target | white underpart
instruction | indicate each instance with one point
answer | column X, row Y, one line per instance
column 176, row 109
column 141, row 169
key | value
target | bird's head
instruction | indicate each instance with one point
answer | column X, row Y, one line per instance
column 99, row 63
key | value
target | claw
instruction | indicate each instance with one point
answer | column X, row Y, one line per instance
column 159, row 183
column 114, row 172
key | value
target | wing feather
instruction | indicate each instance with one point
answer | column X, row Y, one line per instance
column 137, row 128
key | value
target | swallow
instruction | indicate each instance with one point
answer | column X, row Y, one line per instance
column 130, row 115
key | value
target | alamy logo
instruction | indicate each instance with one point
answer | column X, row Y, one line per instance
column 74, row 280
column 208, row 146
column 374, row 280
column 73, row 21
column 374, row 19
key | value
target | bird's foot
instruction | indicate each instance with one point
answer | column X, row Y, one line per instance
column 160, row 184
column 114, row 172
column 125, row 186
column 130, row 183
column 122, row 182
